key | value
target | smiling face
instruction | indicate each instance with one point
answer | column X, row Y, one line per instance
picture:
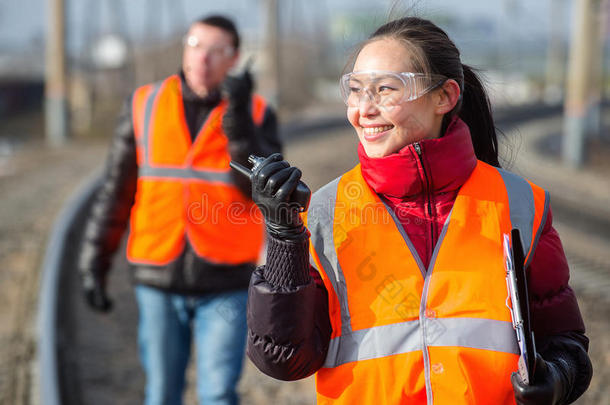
column 383, row 131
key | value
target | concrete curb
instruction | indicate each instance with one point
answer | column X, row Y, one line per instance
column 48, row 384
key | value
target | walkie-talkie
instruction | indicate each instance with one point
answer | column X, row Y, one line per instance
column 301, row 193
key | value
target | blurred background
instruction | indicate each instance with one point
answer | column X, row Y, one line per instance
column 67, row 65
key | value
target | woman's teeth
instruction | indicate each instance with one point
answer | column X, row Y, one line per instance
column 376, row 130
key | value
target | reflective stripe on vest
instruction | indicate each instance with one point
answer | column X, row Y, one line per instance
column 185, row 188
column 186, row 174
column 436, row 328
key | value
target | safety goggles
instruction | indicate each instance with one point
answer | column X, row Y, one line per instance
column 214, row 51
column 386, row 89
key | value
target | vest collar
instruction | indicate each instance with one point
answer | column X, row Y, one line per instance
column 442, row 165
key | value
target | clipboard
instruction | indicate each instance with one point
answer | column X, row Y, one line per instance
column 516, row 280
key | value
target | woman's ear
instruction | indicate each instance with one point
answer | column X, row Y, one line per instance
column 447, row 96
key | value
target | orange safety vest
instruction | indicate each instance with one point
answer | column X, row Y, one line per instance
column 185, row 189
column 404, row 334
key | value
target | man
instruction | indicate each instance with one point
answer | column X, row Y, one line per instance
column 194, row 238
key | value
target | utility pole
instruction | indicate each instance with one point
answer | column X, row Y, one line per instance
column 273, row 50
column 555, row 60
column 512, row 36
column 56, row 105
column 579, row 100
column 596, row 83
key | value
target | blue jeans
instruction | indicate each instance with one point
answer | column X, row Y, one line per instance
column 168, row 322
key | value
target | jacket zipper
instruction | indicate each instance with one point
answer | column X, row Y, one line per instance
column 423, row 304
column 418, row 150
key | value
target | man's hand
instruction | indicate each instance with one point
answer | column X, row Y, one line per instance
column 273, row 182
column 95, row 296
column 238, row 90
column 548, row 388
column 237, row 122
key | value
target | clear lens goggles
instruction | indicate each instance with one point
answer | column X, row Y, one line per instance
column 214, row 51
column 386, row 89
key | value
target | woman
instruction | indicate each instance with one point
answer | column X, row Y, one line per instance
column 401, row 295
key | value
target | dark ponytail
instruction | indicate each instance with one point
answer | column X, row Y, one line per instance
column 432, row 51
column 475, row 111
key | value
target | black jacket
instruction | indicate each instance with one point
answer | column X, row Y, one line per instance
column 109, row 215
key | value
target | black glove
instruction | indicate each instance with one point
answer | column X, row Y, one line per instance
column 549, row 388
column 95, row 294
column 273, row 181
column 238, row 90
column 237, row 122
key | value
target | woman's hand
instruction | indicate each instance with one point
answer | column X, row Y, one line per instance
column 273, row 184
column 549, row 388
